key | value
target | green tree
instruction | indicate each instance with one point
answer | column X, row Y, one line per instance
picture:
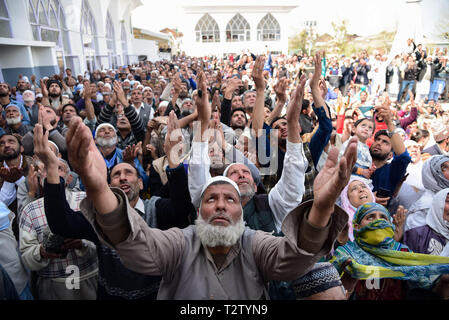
column 298, row 42
column 340, row 34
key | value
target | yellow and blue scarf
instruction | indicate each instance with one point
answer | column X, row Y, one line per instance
column 374, row 254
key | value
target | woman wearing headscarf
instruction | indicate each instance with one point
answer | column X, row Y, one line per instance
column 375, row 256
column 435, row 177
column 433, row 238
column 355, row 194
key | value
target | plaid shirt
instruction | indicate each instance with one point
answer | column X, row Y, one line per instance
column 34, row 221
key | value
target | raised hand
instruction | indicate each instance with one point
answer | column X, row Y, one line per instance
column 257, row 73
column 44, row 88
column 399, row 222
column 41, row 146
column 293, row 111
column 118, row 90
column 216, row 103
column 330, row 182
column 173, row 141
column 318, row 86
column 130, row 153
column 85, row 158
column 230, row 86
column 202, row 103
column 280, row 89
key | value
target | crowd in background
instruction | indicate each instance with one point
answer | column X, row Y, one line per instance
column 399, row 184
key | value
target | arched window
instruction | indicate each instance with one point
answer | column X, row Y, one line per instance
column 207, row 30
column 238, row 29
column 124, row 45
column 5, row 28
column 47, row 21
column 89, row 37
column 110, row 42
column 268, row 29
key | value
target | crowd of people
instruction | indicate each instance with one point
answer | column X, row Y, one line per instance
column 270, row 177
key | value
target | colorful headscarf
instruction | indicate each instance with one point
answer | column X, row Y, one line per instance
column 375, row 254
column 348, row 207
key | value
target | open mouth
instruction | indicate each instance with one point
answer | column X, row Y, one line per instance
column 125, row 187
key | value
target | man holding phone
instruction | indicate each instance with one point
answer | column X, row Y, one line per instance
column 388, row 144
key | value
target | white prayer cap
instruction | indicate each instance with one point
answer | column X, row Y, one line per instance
column 220, row 179
column 410, row 143
column 106, row 124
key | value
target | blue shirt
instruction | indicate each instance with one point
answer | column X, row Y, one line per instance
column 389, row 175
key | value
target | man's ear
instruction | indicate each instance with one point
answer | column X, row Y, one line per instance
column 390, row 155
column 22, row 149
column 140, row 184
column 69, row 179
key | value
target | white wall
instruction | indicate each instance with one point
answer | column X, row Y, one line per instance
column 148, row 48
column 194, row 48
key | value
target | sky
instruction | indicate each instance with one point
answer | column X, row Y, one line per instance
column 364, row 17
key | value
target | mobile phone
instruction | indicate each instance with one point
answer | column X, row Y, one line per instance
column 383, row 193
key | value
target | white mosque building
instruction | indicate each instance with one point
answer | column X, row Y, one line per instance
column 41, row 36
column 219, row 27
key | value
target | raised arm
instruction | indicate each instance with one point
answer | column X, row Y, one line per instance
column 288, row 192
column 258, row 112
column 199, row 163
column 61, row 218
column 396, row 140
column 281, row 97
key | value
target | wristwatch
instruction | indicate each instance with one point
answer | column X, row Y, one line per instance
column 391, row 133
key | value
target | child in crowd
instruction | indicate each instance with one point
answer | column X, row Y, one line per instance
column 363, row 129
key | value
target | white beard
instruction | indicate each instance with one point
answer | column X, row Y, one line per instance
column 13, row 121
column 106, row 143
column 214, row 236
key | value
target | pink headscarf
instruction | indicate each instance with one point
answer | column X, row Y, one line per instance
column 348, row 207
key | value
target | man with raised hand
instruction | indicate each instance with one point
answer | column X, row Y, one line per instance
column 217, row 258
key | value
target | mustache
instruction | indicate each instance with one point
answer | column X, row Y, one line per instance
column 221, row 215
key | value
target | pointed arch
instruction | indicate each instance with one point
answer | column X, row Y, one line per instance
column 268, row 29
column 5, row 26
column 207, row 29
column 238, row 29
column 47, row 20
column 110, row 41
column 89, row 36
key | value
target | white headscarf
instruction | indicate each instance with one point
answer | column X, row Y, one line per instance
column 435, row 219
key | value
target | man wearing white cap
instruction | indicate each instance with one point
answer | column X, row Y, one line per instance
column 14, row 121
column 218, row 258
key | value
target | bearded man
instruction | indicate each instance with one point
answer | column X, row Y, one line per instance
column 217, row 258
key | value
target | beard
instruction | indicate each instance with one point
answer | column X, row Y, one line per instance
column 13, row 121
column 379, row 156
column 214, row 236
column 236, row 126
column 183, row 95
column 106, row 143
column 247, row 192
column 4, row 94
column 11, row 156
column 186, row 112
column 54, row 95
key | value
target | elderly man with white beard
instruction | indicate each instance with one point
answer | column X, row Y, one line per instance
column 106, row 141
column 14, row 121
column 212, row 261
